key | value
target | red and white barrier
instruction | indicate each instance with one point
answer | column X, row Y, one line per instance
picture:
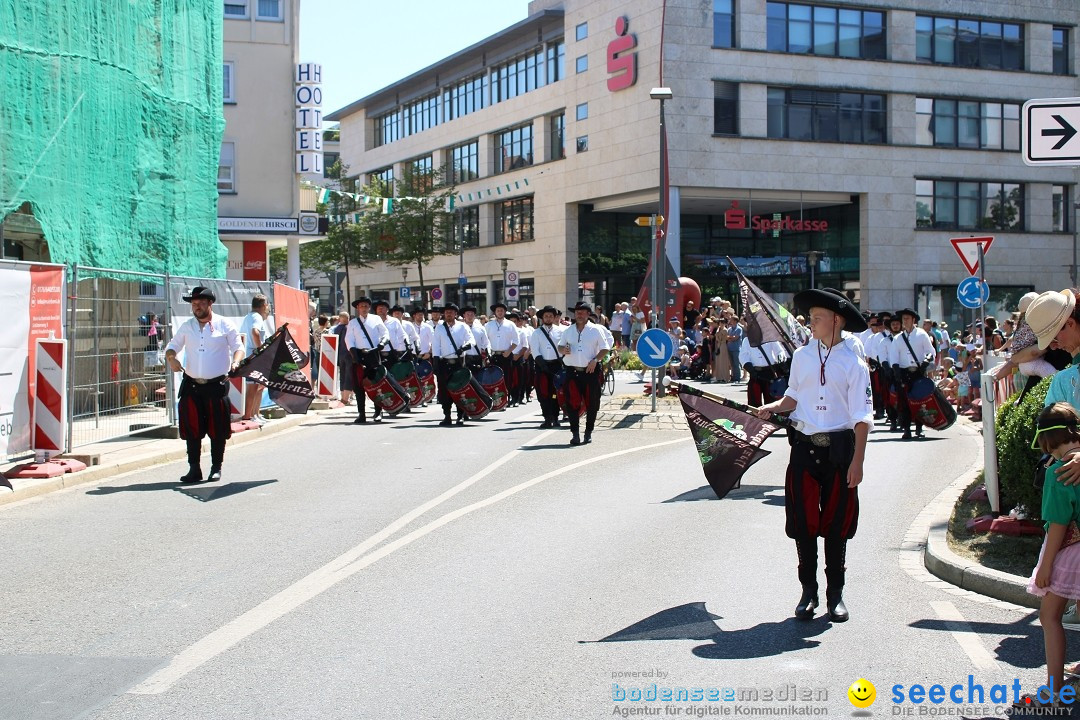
column 328, row 367
column 50, row 401
column 236, row 396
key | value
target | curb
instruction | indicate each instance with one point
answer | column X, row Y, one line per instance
column 18, row 489
column 943, row 563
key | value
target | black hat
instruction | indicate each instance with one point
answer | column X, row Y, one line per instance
column 498, row 305
column 397, row 308
column 377, row 303
column 201, row 293
column 909, row 311
column 549, row 309
column 416, row 309
column 467, row 308
column 884, row 315
column 361, row 299
column 895, row 317
column 451, row 306
column 835, row 301
column 581, row 305
column 514, row 315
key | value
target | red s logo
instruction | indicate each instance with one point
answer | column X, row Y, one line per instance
column 622, row 68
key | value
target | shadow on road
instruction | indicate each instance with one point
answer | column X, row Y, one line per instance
column 685, row 622
column 143, row 487
column 746, row 492
column 206, row 493
column 1024, row 649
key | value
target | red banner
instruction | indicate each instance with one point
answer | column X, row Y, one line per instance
column 46, row 313
column 291, row 306
column 255, row 263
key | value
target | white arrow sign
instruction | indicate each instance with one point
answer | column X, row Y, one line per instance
column 657, row 353
column 1048, row 131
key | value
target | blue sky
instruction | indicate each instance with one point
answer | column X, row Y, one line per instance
column 365, row 45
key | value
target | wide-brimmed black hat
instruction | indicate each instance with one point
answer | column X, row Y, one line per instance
column 361, row 299
column 835, row 301
column 201, row 293
column 895, row 317
column 416, row 309
column 377, row 303
column 884, row 315
column 908, row 311
column 549, row 309
column 397, row 308
column 451, row 306
column 498, row 305
column 467, row 308
column 514, row 315
column 581, row 305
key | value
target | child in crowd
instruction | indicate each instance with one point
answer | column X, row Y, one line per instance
column 1057, row 576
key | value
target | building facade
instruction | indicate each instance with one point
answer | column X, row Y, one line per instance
column 851, row 140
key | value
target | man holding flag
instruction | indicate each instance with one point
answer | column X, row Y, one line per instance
column 832, row 410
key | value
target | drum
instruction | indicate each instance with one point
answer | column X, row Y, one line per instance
column 385, row 392
column 778, row 387
column 405, row 373
column 929, row 406
column 426, row 375
column 491, row 379
column 468, row 394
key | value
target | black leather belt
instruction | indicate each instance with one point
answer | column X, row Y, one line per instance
column 205, row 381
column 816, row 439
column 452, row 360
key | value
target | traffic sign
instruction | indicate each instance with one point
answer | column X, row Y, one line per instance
column 511, row 277
column 436, row 294
column 511, row 293
column 973, row 292
column 968, row 250
column 404, row 293
column 655, row 348
column 1048, row 130
column 647, row 220
column 462, row 280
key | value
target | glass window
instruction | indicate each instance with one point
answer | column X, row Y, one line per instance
column 1061, row 51
column 725, row 108
column 513, row 148
column 945, row 204
column 924, row 203
column 236, row 9
column 800, row 30
column 514, row 221
column 967, row 124
column 850, row 33
column 723, row 23
column 967, row 211
column 924, row 118
column 226, row 175
column 382, row 180
column 557, row 141
column 582, row 144
column 269, row 10
column 387, row 128
column 924, row 38
column 1010, row 126
column 948, row 204
column 464, row 163
column 581, row 64
column 462, row 98
column 825, row 115
column 776, row 27
column 969, row 42
column 1060, row 199
column 228, row 83
column 465, row 228
column 825, row 30
column 581, row 112
column 581, row 31
column 873, row 35
column 945, row 40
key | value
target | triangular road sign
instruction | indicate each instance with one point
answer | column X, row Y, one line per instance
column 968, row 250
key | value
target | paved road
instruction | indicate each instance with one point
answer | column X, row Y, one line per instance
column 408, row 571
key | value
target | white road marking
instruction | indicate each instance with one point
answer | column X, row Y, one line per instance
column 967, row 638
column 346, row 565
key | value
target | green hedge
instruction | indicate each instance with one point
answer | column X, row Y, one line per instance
column 1016, row 460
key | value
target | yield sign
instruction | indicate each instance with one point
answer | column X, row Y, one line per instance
column 968, row 250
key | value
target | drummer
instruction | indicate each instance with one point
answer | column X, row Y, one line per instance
column 583, row 347
column 476, row 356
column 502, row 341
column 397, row 346
column 365, row 337
column 544, row 344
column 450, row 342
column 910, row 354
column 520, row 360
column 419, row 333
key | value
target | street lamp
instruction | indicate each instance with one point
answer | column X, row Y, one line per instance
column 659, row 252
column 813, row 257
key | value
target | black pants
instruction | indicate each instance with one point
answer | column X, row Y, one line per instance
column 443, row 370
column 547, row 395
column 204, row 412
column 586, row 386
column 361, row 373
column 905, row 378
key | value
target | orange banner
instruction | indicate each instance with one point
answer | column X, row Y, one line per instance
column 291, row 306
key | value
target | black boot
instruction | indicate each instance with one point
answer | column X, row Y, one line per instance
column 446, row 421
column 194, row 451
column 835, row 556
column 807, row 551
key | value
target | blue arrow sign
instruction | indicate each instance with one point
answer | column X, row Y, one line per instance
column 655, row 348
column 973, row 292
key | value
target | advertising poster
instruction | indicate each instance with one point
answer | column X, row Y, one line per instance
column 291, row 306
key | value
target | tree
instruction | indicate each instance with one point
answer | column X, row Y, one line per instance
column 418, row 224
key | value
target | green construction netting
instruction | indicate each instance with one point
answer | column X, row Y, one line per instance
column 110, row 127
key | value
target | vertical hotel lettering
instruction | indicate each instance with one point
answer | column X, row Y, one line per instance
column 308, row 96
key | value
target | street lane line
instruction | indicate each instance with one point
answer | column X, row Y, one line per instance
column 342, row 567
column 967, row 638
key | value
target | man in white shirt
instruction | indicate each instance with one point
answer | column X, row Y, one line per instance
column 451, row 340
column 255, row 332
column 502, row 342
column 910, row 354
column 583, row 347
column 212, row 348
column 365, row 337
column 871, row 345
column 475, row 355
column 396, row 347
column 544, row 346
column 764, row 366
column 522, row 367
column 832, row 411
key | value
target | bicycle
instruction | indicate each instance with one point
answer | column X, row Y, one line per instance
column 607, row 386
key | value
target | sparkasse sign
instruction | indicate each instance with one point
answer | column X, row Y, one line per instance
column 737, row 219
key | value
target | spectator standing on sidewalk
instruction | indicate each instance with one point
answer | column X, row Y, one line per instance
column 735, row 335
column 344, row 359
column 255, row 332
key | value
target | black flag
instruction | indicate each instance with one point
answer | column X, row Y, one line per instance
column 766, row 319
column 278, row 365
column 728, row 438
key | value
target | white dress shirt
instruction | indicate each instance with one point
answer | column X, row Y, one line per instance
column 882, row 347
column 539, row 344
column 480, row 338
column 585, row 344
column 376, row 330
column 769, row 353
column 208, row 349
column 845, row 399
column 442, row 347
column 502, row 336
column 854, row 341
column 921, row 344
column 524, row 332
column 396, row 333
column 412, row 332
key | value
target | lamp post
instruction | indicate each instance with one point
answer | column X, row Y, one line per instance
column 813, row 257
column 659, row 251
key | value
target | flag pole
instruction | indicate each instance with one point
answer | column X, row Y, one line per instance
column 733, row 404
column 786, row 337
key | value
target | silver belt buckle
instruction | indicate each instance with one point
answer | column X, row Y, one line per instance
column 821, row 439
column 200, row 381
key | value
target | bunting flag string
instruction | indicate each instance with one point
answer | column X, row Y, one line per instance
column 386, row 204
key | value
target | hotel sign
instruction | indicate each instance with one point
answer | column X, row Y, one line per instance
column 308, row 99
column 257, row 225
